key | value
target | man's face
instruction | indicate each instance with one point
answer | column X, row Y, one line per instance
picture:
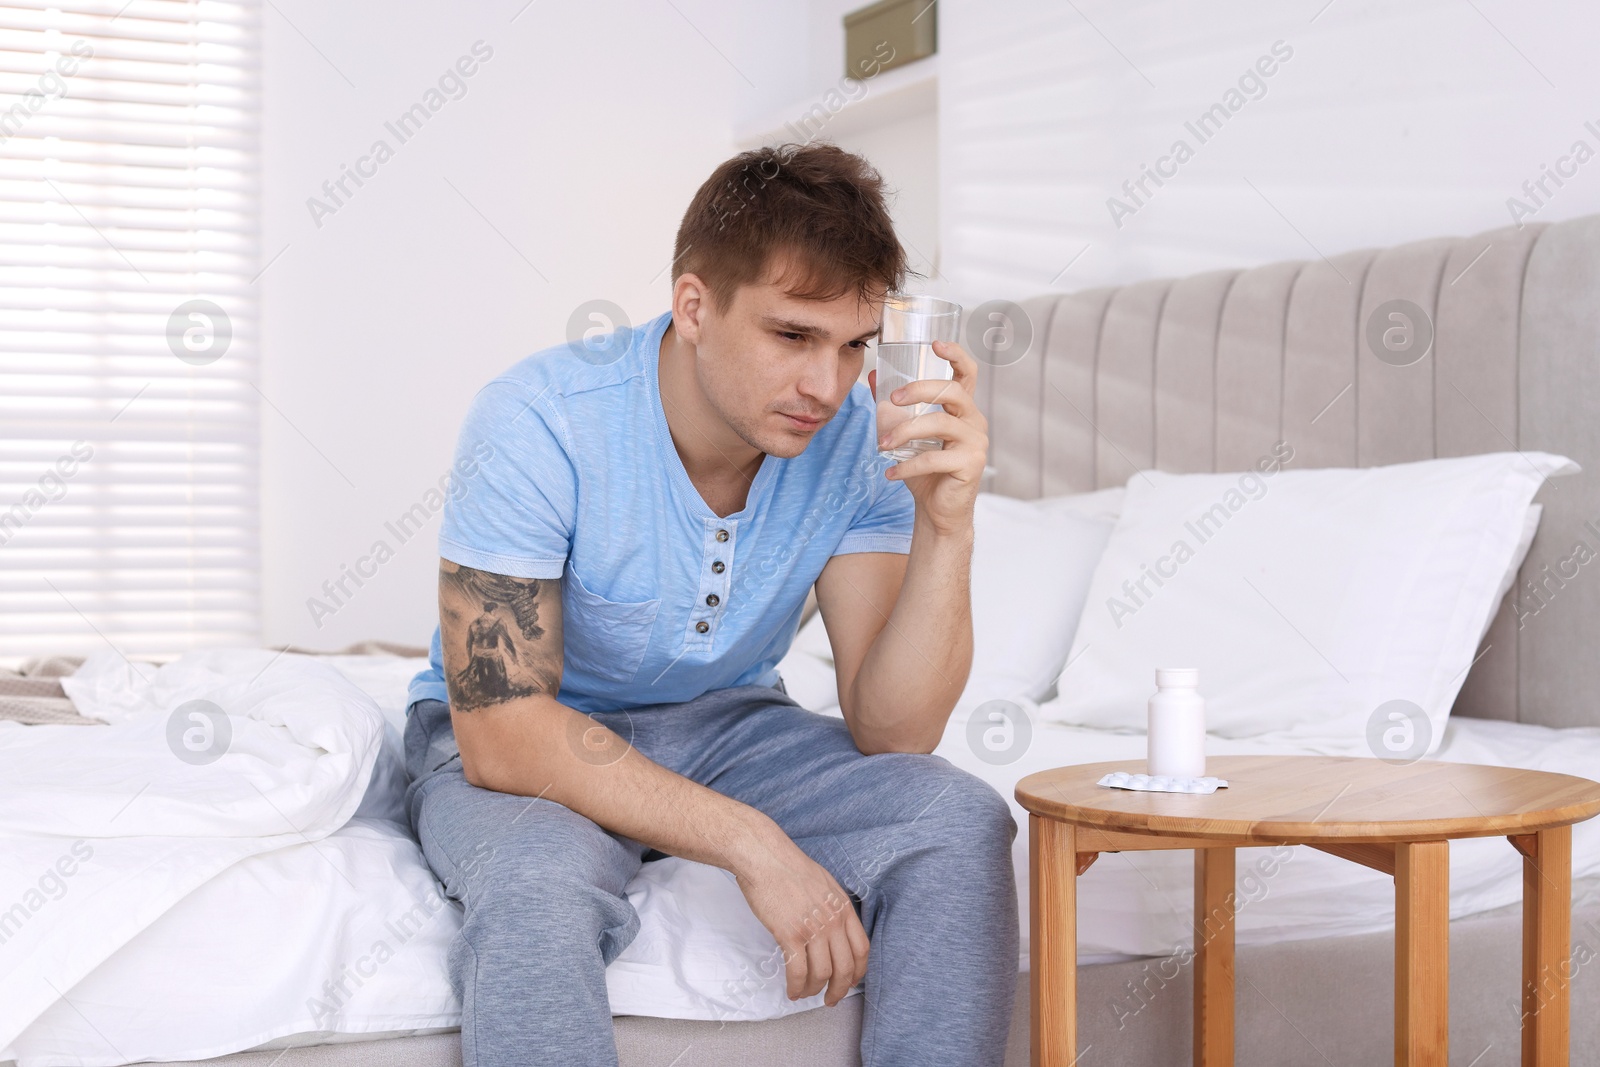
column 768, row 356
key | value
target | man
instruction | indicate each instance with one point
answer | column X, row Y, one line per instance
column 618, row 583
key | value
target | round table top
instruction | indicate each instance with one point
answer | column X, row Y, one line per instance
column 1312, row 798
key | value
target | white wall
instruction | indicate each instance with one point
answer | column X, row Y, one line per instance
column 581, row 140
column 1390, row 122
column 801, row 45
column 584, row 136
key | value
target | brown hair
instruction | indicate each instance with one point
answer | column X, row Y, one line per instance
column 816, row 203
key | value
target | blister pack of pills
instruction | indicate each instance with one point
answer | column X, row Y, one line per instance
column 1161, row 783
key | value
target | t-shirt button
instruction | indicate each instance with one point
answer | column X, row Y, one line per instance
column 722, row 535
column 702, row 626
column 713, row 599
column 719, row 566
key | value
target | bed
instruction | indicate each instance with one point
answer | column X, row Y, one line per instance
column 1204, row 374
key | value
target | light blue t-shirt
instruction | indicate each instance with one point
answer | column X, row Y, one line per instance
column 583, row 482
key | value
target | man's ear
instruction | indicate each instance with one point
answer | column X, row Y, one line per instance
column 690, row 301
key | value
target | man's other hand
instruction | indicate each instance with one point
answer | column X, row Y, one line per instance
column 943, row 481
column 811, row 918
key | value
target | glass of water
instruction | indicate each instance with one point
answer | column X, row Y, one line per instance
column 905, row 354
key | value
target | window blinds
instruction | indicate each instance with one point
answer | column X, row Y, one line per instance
column 128, row 251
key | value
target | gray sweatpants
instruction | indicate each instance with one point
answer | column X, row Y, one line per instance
column 922, row 847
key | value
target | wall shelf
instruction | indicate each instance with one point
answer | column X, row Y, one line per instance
column 893, row 95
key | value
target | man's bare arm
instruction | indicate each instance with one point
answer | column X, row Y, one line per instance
column 901, row 630
column 507, row 653
column 503, row 652
column 908, row 672
column 502, row 661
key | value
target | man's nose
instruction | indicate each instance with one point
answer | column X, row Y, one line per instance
column 821, row 383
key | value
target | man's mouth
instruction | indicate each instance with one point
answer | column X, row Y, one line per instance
column 801, row 422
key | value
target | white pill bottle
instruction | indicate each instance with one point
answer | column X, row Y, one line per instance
column 1177, row 725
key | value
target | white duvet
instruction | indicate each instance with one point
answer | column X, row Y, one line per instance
column 275, row 895
column 171, row 906
column 105, row 830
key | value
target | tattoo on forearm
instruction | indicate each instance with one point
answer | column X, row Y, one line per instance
column 507, row 653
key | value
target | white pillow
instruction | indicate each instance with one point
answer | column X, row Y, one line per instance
column 1306, row 598
column 1032, row 562
column 1100, row 504
column 1530, row 527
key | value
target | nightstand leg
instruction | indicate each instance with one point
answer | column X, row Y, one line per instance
column 1053, row 940
column 1547, row 949
column 1213, row 957
column 1422, row 954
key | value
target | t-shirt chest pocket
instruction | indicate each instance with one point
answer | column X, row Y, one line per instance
column 604, row 638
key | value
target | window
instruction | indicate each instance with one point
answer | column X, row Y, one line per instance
column 128, row 250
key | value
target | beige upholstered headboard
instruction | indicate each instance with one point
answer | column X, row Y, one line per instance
column 1206, row 373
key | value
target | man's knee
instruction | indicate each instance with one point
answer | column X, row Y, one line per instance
column 558, row 852
column 952, row 802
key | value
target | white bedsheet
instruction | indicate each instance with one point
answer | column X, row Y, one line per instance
column 264, row 937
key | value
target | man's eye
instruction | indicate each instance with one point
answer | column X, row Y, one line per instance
column 788, row 335
column 858, row 345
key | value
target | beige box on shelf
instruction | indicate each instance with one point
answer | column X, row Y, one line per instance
column 909, row 27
